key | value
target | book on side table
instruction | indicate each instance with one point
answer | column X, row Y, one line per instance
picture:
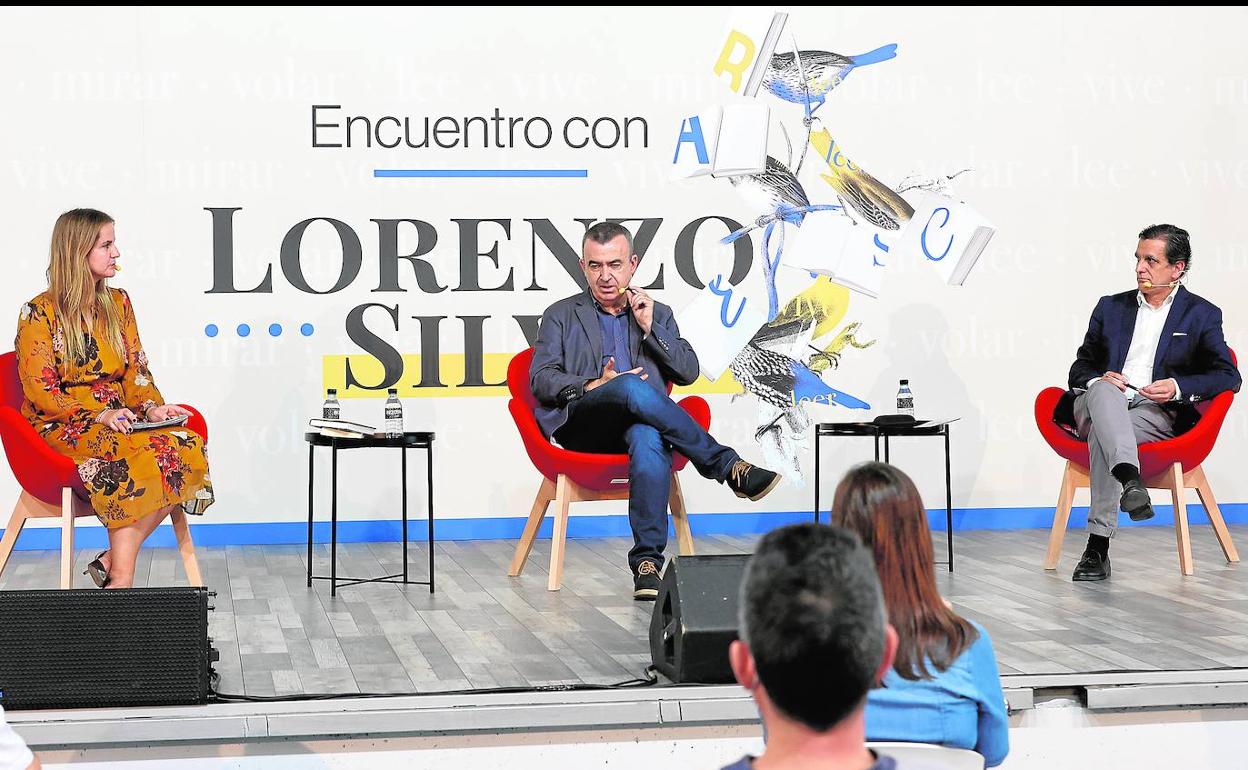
column 342, row 428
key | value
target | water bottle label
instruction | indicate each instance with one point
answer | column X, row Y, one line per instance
column 906, row 403
column 331, row 413
column 394, row 413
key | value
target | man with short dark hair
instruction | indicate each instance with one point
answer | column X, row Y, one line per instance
column 814, row 640
column 1148, row 357
column 600, row 370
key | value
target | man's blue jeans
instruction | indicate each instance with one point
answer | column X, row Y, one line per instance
column 628, row 414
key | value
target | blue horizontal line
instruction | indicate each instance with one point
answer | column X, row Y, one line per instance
column 482, row 173
column 209, row 533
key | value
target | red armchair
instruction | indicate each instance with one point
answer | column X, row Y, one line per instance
column 569, row 477
column 50, row 484
column 1172, row 464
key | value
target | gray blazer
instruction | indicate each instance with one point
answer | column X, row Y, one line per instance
column 568, row 354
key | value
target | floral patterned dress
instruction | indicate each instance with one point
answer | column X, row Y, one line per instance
column 126, row 475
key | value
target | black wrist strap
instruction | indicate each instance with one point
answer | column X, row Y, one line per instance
column 570, row 394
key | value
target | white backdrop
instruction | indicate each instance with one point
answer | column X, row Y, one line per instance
column 1081, row 127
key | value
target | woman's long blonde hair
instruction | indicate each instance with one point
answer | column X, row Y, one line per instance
column 76, row 294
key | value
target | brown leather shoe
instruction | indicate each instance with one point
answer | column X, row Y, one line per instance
column 750, row 481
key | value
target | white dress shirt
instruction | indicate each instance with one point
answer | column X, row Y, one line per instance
column 1149, row 323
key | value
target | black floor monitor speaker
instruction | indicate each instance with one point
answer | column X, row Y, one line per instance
column 695, row 618
column 96, row 649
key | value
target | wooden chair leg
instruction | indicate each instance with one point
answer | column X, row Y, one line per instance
column 545, row 493
column 1197, row 479
column 67, row 537
column 186, row 546
column 1061, row 516
column 680, row 518
column 1174, row 479
column 21, row 512
column 563, row 499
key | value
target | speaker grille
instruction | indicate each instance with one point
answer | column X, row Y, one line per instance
column 93, row 649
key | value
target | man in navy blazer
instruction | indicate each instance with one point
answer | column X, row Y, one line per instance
column 600, row 370
column 1148, row 357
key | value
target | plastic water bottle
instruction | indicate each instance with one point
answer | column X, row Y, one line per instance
column 905, row 399
column 331, row 410
column 394, row 414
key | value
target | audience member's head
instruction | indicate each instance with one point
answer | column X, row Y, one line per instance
column 814, row 638
column 881, row 505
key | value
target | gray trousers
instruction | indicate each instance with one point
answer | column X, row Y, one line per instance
column 1113, row 426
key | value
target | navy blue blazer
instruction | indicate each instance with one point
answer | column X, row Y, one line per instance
column 1191, row 349
column 568, row 354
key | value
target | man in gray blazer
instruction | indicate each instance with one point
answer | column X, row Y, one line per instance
column 600, row 370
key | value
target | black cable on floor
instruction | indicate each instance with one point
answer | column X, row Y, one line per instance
column 648, row 678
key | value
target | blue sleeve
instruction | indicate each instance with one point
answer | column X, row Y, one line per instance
column 1217, row 371
column 993, row 740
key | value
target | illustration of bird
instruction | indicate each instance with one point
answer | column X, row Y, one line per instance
column 870, row 198
column 823, row 304
column 781, row 434
column 830, row 355
column 824, row 71
column 785, row 382
column 774, row 191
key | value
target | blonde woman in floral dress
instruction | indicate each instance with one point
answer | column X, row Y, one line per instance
column 85, row 378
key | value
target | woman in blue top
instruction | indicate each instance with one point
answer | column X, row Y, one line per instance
column 944, row 686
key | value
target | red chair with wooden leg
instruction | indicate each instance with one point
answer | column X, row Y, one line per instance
column 569, row 477
column 1173, row 465
column 51, row 488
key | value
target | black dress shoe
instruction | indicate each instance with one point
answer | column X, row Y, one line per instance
column 1135, row 501
column 97, row 572
column 1092, row 566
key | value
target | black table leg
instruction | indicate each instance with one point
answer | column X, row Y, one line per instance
column 429, row 452
column 333, row 524
column 403, row 451
column 399, row 578
column 948, row 502
column 817, row 475
column 878, row 433
column 311, row 470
